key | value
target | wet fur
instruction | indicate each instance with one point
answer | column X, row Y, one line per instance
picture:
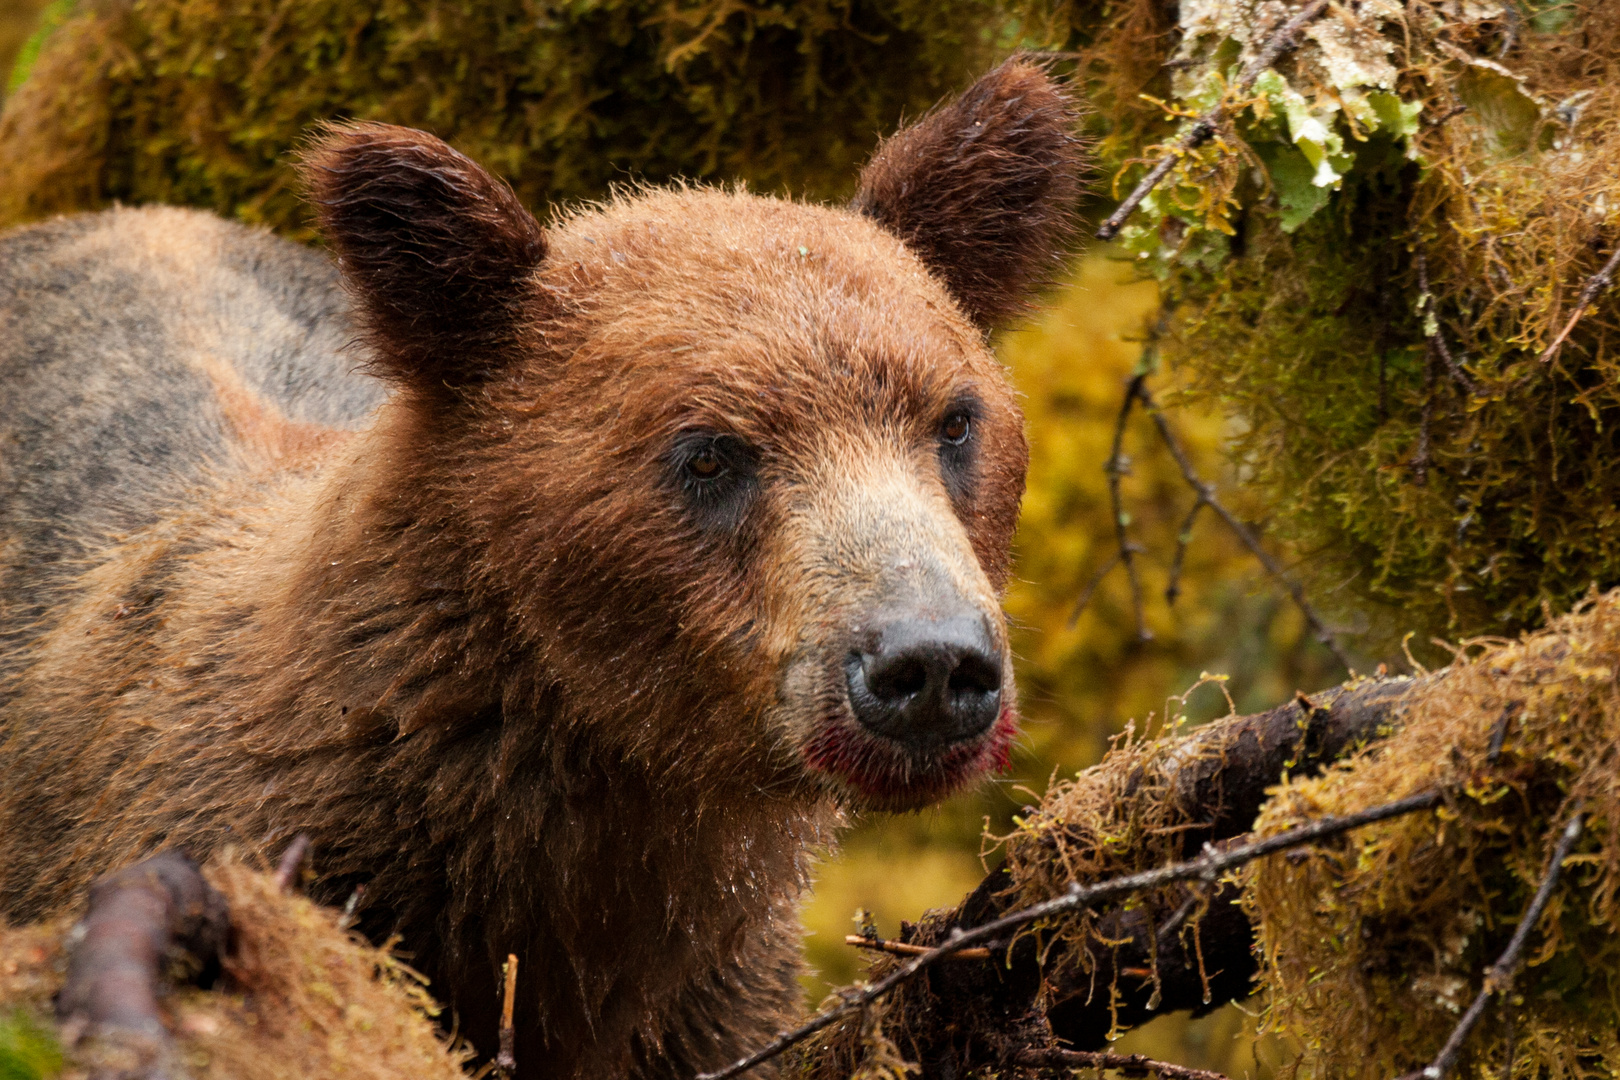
column 458, row 614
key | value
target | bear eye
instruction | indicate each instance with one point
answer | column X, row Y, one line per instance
column 717, row 476
column 705, row 464
column 956, row 428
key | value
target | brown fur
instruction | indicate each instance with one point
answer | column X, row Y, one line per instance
column 518, row 673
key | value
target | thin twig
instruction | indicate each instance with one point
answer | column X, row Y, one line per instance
column 1594, row 285
column 1437, row 340
column 1207, row 867
column 1420, row 459
column 1183, row 538
column 292, row 861
column 1207, row 493
column 1499, row 732
column 1500, row 975
column 904, row 948
column 1206, row 125
column 1091, row 586
column 1136, row 1064
column 1116, row 468
column 506, row 1060
column 1510, row 37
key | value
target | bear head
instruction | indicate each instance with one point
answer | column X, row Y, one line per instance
column 740, row 473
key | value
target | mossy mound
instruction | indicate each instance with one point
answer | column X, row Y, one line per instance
column 300, row 998
column 201, row 103
column 1414, row 182
column 1379, row 941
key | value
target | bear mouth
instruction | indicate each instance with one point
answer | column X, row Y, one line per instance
column 882, row 773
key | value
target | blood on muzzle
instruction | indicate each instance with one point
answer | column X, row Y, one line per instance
column 926, row 683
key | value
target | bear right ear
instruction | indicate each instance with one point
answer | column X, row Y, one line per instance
column 984, row 188
column 440, row 253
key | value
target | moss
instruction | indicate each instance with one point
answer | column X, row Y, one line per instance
column 1379, row 940
column 28, row 1049
column 201, row 103
column 1372, row 943
column 1395, row 147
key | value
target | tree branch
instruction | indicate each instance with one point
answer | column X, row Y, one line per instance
column 1207, row 497
column 1594, row 285
column 141, row 920
column 1134, row 1064
column 1207, row 867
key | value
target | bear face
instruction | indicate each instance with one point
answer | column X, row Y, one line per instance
column 773, row 444
column 761, row 440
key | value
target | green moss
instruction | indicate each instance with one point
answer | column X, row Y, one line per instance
column 201, row 102
column 27, row 1050
column 1391, row 150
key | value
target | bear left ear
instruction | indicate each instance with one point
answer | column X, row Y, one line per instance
column 984, row 188
column 440, row 253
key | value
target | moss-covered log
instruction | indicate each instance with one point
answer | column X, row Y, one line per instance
column 1368, row 945
column 1206, row 787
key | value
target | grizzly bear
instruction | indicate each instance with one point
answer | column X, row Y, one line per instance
column 567, row 585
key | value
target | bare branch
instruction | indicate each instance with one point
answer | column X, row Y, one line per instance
column 1183, row 537
column 1135, row 1064
column 1091, row 586
column 1207, row 867
column 1437, row 340
column 1206, row 493
column 1116, row 468
column 1594, row 285
column 1500, row 976
column 1205, row 126
column 904, row 948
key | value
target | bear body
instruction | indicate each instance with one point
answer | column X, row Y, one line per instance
column 565, row 585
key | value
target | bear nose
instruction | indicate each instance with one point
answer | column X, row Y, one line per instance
column 927, row 683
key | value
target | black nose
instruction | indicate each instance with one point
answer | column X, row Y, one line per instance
column 927, row 683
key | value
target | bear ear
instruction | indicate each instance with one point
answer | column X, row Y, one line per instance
column 440, row 253
column 984, row 188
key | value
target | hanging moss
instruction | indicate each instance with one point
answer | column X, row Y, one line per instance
column 1468, row 145
column 202, row 103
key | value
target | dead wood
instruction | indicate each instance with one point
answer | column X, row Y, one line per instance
column 146, row 923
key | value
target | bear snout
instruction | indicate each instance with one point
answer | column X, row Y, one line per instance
column 926, row 683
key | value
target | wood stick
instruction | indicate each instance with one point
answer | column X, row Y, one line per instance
column 292, row 861
column 506, row 1060
column 902, row 948
column 1136, row 1064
